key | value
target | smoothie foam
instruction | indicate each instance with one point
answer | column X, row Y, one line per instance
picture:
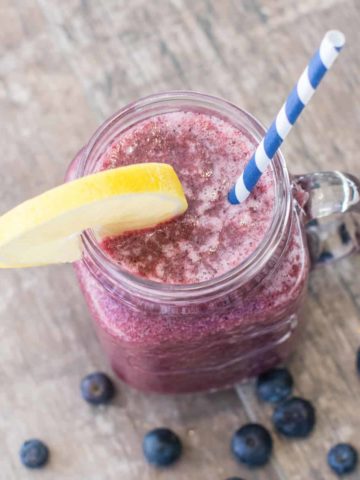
column 213, row 236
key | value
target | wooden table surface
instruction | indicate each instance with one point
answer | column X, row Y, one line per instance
column 64, row 67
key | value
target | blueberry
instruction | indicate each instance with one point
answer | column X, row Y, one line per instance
column 358, row 361
column 344, row 234
column 325, row 256
column 34, row 453
column 274, row 385
column 161, row 447
column 252, row 445
column 313, row 223
column 294, row 417
column 97, row 388
column 234, row 478
column 342, row 458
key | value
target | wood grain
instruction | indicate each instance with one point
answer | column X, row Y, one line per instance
column 64, row 67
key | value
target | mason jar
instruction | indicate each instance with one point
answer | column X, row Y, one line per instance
column 210, row 335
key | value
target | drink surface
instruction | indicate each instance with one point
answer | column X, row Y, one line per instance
column 213, row 236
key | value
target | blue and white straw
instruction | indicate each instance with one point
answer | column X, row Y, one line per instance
column 321, row 62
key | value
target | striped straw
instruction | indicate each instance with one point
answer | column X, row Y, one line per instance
column 320, row 63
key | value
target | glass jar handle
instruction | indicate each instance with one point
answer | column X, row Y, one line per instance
column 332, row 214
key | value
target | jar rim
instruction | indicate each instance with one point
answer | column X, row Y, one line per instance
column 250, row 267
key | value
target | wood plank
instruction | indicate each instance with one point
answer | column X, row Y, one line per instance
column 64, row 67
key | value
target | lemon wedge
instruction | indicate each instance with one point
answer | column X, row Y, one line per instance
column 47, row 228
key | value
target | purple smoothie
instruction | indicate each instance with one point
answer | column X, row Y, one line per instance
column 213, row 343
column 213, row 236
